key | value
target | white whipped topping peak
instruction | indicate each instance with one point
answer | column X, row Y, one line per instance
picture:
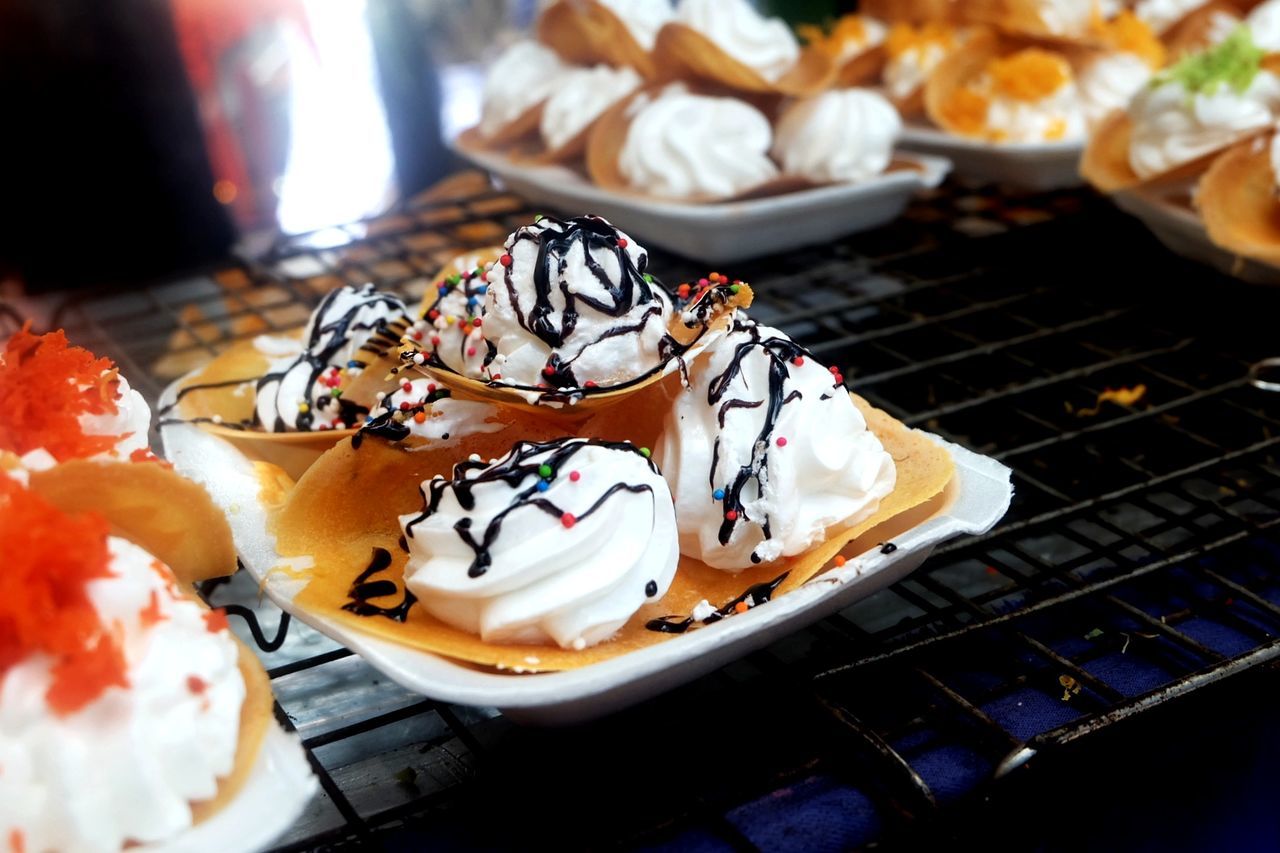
column 765, row 453
column 127, row 766
column 1264, row 22
column 1172, row 126
column 839, row 135
column 131, row 422
column 574, row 308
column 520, row 79
column 580, row 96
column 1108, row 81
column 350, row 329
column 765, row 44
column 642, row 18
column 559, row 542
column 681, row 145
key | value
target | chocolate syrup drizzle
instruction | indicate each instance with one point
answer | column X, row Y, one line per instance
column 519, row 467
column 317, row 358
column 756, row 594
column 781, row 353
column 363, row 590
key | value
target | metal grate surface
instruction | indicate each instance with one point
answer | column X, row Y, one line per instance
column 1139, row 561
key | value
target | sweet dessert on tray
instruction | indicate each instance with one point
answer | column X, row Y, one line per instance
column 633, row 463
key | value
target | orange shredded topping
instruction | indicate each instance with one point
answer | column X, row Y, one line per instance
column 850, row 30
column 1029, row 74
column 1128, row 33
column 151, row 614
column 1119, row 396
column 966, row 111
column 1056, row 130
column 904, row 37
column 216, row 620
column 50, row 558
column 40, row 381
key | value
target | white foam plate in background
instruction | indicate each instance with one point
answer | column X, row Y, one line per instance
column 729, row 231
column 1029, row 165
column 976, row 498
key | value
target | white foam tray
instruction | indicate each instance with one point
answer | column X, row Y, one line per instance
column 273, row 797
column 727, row 231
column 1181, row 230
column 1030, row 165
column 975, row 500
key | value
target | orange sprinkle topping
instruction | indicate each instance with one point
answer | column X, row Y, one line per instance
column 966, row 111
column 904, row 37
column 1055, row 130
column 840, row 560
column 1029, row 74
column 151, row 614
column 740, row 607
column 50, row 557
column 40, row 381
column 144, row 454
column 216, row 620
column 1128, row 33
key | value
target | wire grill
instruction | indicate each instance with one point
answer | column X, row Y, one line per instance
column 1138, row 563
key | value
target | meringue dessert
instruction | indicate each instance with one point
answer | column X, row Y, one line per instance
column 747, row 451
column 528, row 549
column 842, row 135
column 128, row 712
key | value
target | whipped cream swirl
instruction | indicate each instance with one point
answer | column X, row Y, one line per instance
column 1173, row 126
column 555, row 542
column 520, row 79
column 571, row 307
column 1264, row 23
column 765, row 453
column 350, row 329
column 764, row 44
column 127, row 766
column 685, row 146
column 642, row 18
column 423, row 410
column 1108, row 81
column 580, row 96
column 839, row 135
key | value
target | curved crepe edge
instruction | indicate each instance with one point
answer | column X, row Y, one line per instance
column 1021, row 17
column 169, row 516
column 519, row 129
column 255, row 718
column 913, row 11
column 682, row 53
column 1105, row 161
column 955, row 71
column 339, row 531
column 586, row 32
column 1190, row 33
column 1238, row 202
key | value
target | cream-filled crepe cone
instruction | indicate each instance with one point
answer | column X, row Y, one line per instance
column 855, row 44
column 912, row 53
column 516, row 87
column 1209, row 24
column 995, row 89
column 580, row 98
column 671, row 142
column 1237, row 198
column 128, row 711
column 572, row 318
column 620, row 33
column 839, row 136
column 1190, row 113
column 1108, row 77
column 726, row 42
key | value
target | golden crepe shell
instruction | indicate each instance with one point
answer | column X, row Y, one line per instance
column 586, row 32
column 1238, row 202
column 683, row 53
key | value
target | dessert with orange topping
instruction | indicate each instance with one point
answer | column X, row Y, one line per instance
column 126, row 714
column 1028, row 95
column 911, row 54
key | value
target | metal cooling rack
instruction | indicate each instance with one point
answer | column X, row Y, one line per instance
column 1139, row 563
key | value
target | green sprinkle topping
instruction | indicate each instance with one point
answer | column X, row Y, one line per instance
column 537, row 217
column 455, row 279
column 337, row 392
column 544, row 471
column 734, row 288
column 1235, row 62
column 645, row 452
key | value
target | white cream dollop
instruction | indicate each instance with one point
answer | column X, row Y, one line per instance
column 520, row 79
column 131, row 422
column 1108, row 81
column 681, row 145
column 349, row 330
column 580, row 96
column 839, row 135
column 1264, row 23
column 765, row 44
column 594, row 319
column 766, row 426
column 1173, row 126
column 445, row 420
column 642, row 18
column 448, row 330
column 495, row 555
column 127, row 766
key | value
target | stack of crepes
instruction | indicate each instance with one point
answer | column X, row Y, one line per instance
column 568, row 461
column 1204, row 133
column 128, row 711
column 702, row 101
column 1026, row 71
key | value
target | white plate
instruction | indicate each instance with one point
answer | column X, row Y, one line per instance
column 1167, row 215
column 274, row 795
column 727, row 231
column 976, row 498
column 1031, row 165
